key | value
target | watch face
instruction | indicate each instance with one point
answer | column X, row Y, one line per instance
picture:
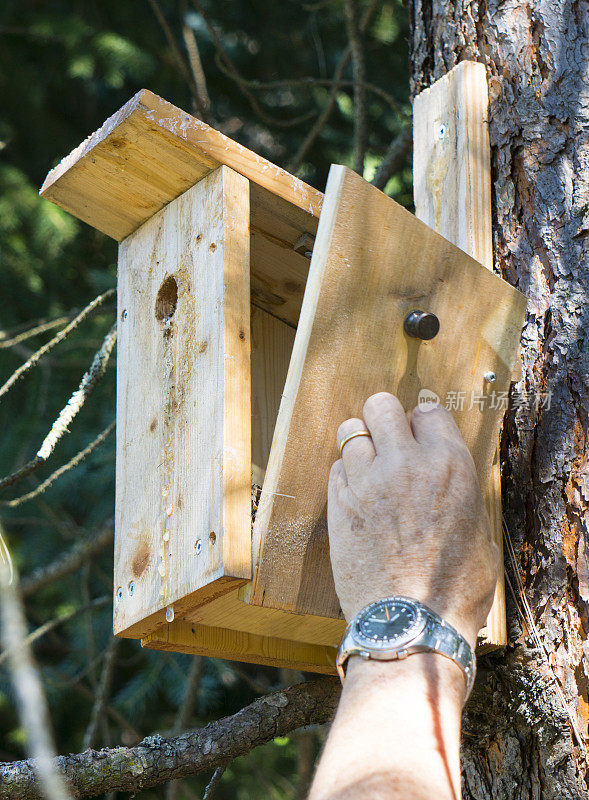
column 389, row 623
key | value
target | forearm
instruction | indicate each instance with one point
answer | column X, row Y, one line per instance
column 396, row 733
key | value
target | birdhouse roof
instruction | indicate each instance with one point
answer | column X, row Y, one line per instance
column 148, row 153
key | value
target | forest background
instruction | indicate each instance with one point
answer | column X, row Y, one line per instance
column 277, row 77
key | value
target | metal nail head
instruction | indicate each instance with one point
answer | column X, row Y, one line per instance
column 490, row 377
column 421, row 324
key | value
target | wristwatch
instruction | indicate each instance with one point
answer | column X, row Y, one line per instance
column 397, row 627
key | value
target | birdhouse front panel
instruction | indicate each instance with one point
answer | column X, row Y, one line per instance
column 183, row 520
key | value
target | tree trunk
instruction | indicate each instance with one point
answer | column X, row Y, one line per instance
column 519, row 729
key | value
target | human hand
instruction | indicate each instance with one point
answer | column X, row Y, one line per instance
column 406, row 516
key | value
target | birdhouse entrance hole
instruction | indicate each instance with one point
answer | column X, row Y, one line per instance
column 166, row 300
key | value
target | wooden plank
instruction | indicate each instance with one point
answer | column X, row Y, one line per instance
column 227, row 611
column 452, row 194
column 279, row 272
column 183, row 637
column 183, row 496
column 272, row 342
column 148, row 153
column 373, row 262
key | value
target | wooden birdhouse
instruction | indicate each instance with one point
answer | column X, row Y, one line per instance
column 238, row 357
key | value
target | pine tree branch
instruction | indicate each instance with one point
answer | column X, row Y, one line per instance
column 74, row 405
column 157, row 760
column 71, row 464
column 36, row 357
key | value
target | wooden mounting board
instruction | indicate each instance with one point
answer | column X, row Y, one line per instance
column 183, row 471
column 452, row 194
column 373, row 262
column 150, row 152
column 184, row 637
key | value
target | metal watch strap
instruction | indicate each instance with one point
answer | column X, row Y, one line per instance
column 446, row 640
column 437, row 636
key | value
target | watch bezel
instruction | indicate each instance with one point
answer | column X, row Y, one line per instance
column 417, row 626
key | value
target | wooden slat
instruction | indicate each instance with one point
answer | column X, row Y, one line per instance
column 147, row 154
column 183, row 637
column 373, row 262
column 452, row 193
column 279, row 273
column 227, row 611
column 183, row 517
column 272, row 342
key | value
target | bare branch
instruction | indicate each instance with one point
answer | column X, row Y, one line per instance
column 227, row 65
column 68, row 562
column 53, row 623
column 7, row 341
column 394, row 157
column 71, row 464
column 359, row 70
column 323, row 118
column 74, row 405
column 32, row 705
column 36, row 357
column 115, row 715
column 186, row 711
column 178, row 57
column 214, row 782
column 310, row 82
column 195, row 63
column 157, row 760
column 102, row 693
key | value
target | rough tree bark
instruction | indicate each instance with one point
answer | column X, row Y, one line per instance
column 518, row 739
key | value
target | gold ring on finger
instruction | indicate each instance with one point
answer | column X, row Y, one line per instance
column 347, row 438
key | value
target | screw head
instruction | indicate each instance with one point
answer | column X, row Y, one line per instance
column 119, row 594
column 441, row 131
column 198, row 546
column 490, row 376
column 131, row 588
column 124, row 315
column 421, row 324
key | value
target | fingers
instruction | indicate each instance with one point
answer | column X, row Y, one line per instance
column 337, row 479
column 387, row 423
column 434, row 424
column 358, row 453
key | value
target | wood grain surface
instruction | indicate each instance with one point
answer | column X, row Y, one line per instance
column 183, row 473
column 373, row 262
column 452, row 194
